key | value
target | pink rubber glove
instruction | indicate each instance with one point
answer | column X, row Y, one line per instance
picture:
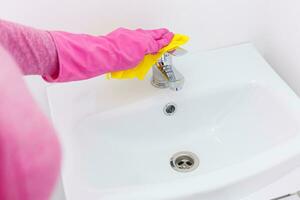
column 84, row 56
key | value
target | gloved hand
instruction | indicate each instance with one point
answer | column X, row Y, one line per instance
column 84, row 56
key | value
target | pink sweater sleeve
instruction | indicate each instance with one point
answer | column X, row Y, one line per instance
column 36, row 52
column 29, row 149
column 33, row 50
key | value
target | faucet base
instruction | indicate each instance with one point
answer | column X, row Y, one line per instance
column 172, row 85
column 159, row 83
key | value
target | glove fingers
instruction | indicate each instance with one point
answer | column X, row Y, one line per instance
column 159, row 33
column 167, row 38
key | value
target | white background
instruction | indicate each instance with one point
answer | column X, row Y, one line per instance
column 272, row 25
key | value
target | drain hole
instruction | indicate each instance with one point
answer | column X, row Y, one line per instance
column 189, row 163
column 180, row 163
column 184, row 161
column 170, row 108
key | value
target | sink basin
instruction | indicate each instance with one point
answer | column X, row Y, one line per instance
column 234, row 113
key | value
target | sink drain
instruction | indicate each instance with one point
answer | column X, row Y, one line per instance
column 184, row 161
column 170, row 109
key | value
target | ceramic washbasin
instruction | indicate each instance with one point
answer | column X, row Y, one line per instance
column 234, row 112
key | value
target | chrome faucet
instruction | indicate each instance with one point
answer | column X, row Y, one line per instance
column 164, row 73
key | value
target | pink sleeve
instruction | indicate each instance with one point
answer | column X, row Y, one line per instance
column 33, row 50
column 29, row 148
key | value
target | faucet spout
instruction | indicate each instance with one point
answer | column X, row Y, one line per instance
column 165, row 74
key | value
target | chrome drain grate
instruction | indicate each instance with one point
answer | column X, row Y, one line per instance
column 184, row 161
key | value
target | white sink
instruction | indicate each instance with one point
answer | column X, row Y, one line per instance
column 234, row 113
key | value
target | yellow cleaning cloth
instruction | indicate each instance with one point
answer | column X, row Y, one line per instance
column 149, row 60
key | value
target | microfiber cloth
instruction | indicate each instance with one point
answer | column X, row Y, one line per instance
column 149, row 60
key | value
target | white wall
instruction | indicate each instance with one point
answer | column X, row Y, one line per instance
column 281, row 39
column 210, row 23
column 271, row 25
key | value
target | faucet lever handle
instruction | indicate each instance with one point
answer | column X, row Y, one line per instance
column 178, row 52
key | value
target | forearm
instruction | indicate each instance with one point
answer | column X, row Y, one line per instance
column 62, row 56
column 33, row 49
column 83, row 56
